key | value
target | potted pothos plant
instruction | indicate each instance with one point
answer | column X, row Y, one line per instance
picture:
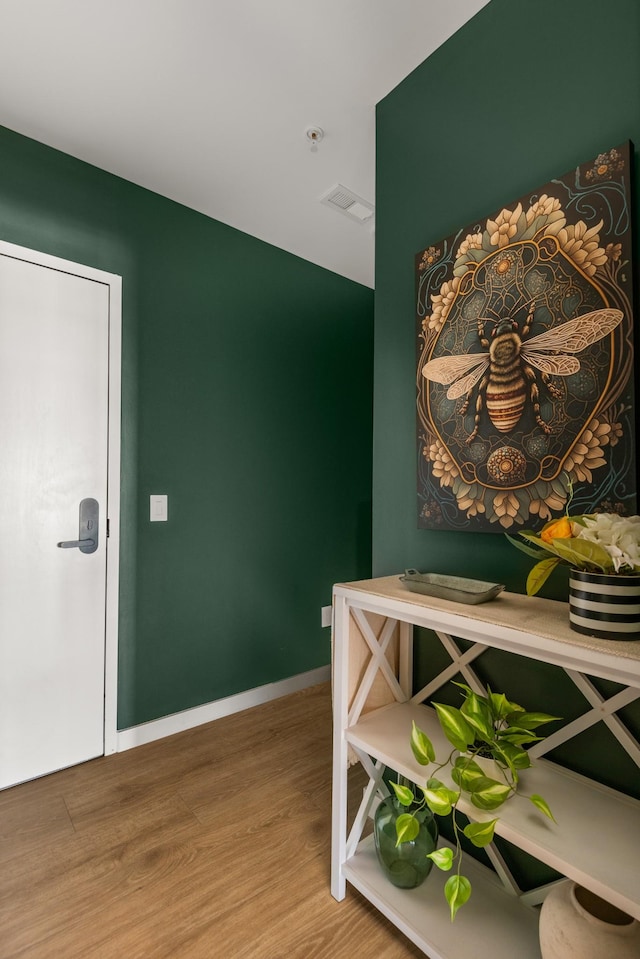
column 485, row 727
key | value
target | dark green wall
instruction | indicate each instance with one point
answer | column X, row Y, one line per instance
column 525, row 91
column 247, row 385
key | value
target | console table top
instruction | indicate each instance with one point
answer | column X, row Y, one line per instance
column 513, row 611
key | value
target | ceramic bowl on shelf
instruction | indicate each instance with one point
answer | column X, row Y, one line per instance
column 457, row 589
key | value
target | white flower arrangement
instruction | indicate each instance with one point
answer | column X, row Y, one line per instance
column 619, row 536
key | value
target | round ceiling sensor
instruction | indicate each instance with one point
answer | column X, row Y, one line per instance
column 314, row 135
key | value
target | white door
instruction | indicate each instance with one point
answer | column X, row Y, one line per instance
column 54, row 432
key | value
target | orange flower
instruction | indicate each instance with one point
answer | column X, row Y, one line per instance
column 560, row 529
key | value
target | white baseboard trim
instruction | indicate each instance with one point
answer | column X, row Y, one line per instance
column 177, row 722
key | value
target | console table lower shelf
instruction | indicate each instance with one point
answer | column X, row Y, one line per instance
column 423, row 915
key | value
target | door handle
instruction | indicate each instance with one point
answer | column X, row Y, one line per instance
column 88, row 524
column 82, row 544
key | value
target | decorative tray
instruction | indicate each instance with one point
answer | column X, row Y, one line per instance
column 454, row 588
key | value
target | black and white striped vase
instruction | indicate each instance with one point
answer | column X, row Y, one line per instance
column 604, row 606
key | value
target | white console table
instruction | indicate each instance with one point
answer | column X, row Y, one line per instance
column 597, row 837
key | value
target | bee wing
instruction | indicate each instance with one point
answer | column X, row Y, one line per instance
column 559, row 365
column 573, row 336
column 449, row 369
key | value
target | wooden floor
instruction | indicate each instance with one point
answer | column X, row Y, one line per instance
column 212, row 843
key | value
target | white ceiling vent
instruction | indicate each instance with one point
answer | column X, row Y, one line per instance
column 346, row 201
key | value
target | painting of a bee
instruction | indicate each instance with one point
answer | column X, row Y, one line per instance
column 525, row 358
column 506, row 373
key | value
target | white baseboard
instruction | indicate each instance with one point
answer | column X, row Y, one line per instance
column 177, row 722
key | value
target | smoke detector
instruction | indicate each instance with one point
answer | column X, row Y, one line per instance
column 348, row 203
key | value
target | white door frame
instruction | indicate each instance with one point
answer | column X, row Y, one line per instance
column 114, row 283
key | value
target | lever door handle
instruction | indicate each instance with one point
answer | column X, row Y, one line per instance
column 79, row 543
column 87, row 541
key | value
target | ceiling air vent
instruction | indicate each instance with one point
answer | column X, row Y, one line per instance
column 349, row 203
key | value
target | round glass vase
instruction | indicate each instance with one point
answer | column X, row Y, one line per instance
column 607, row 607
column 405, row 865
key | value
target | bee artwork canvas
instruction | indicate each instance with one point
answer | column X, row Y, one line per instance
column 525, row 391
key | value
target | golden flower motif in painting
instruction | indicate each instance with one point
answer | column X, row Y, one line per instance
column 582, row 245
column 504, row 227
column 442, row 302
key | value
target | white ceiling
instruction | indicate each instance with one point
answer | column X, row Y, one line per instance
column 207, row 101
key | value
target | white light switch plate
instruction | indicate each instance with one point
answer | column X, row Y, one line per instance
column 325, row 613
column 158, row 507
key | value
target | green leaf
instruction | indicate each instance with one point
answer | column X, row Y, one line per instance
column 488, row 793
column 529, row 550
column 518, row 737
column 480, row 833
column 443, row 858
column 582, row 553
column 421, row 746
column 541, row 804
column 451, row 794
column 533, row 720
column 500, row 705
column 540, row 574
column 407, row 828
column 464, row 771
column 485, row 784
column 438, row 801
column 486, row 803
column 403, row 794
column 467, row 689
column 514, row 757
column 538, row 542
column 455, row 727
column 514, row 710
column 476, row 711
column 434, row 783
column 457, row 891
column 467, row 763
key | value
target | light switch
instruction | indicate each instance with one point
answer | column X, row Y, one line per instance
column 158, row 507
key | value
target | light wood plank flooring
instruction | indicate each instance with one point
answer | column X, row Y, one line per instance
column 212, row 843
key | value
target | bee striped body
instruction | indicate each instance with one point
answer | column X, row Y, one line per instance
column 506, row 392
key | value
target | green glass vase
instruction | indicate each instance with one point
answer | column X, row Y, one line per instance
column 405, row 865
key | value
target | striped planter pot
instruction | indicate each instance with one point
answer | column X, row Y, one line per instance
column 604, row 606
